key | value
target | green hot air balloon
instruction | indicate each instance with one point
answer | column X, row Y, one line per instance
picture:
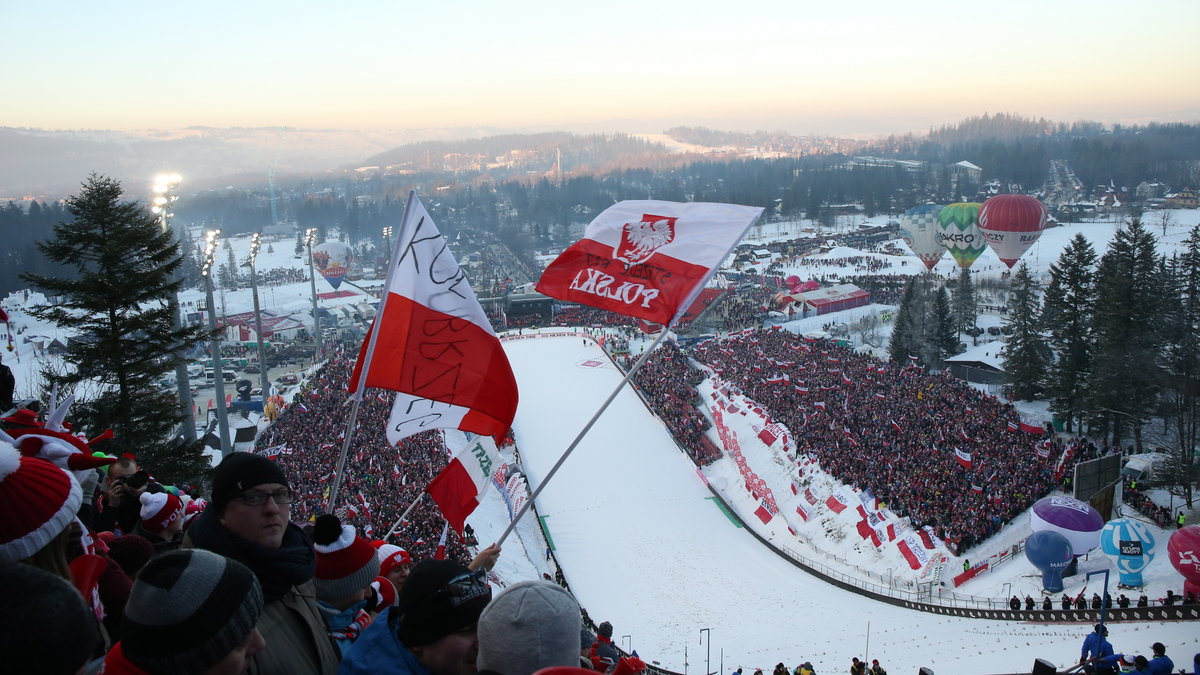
column 958, row 231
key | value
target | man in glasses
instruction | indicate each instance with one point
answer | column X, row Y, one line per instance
column 433, row 629
column 248, row 520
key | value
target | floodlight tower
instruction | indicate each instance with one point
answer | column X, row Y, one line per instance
column 255, row 244
column 310, row 235
column 387, row 243
column 210, row 252
column 164, row 196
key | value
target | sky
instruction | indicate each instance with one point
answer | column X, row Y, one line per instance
column 862, row 68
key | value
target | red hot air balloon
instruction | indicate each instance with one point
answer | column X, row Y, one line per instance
column 1183, row 548
column 1010, row 224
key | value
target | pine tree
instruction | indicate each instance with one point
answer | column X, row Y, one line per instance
column 299, row 241
column 117, row 308
column 965, row 305
column 1181, row 367
column 945, row 334
column 1067, row 318
column 1125, row 375
column 1025, row 353
column 902, row 342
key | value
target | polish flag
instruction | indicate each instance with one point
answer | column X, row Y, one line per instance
column 835, row 504
column 764, row 512
column 432, row 343
column 1013, row 426
column 801, row 510
column 907, row 550
column 460, row 487
column 894, row 425
column 819, row 404
column 963, row 457
column 647, row 259
column 1029, row 428
column 440, row 553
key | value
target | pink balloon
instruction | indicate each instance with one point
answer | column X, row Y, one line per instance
column 1183, row 549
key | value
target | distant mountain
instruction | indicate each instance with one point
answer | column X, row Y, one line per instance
column 51, row 164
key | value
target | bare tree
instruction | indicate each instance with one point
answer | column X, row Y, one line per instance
column 867, row 329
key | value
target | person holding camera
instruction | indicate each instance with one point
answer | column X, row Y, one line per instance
column 119, row 507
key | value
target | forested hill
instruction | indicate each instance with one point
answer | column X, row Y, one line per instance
column 508, row 154
column 1019, row 149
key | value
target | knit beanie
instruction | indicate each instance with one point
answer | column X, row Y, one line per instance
column 531, row 625
column 38, row 501
column 240, row 471
column 390, row 556
column 346, row 563
column 159, row 510
column 432, row 608
column 385, row 594
column 131, row 552
column 188, row 610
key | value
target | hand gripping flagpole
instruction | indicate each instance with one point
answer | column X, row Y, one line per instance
column 357, row 396
column 587, row 427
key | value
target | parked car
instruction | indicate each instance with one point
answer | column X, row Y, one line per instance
column 252, row 368
column 993, row 330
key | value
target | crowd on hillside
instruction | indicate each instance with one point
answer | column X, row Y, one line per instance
column 379, row 481
column 893, row 430
column 668, row 383
column 859, row 263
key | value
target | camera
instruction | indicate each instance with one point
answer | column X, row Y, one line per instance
column 136, row 481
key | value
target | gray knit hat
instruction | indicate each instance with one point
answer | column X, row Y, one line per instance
column 529, row 626
column 187, row 610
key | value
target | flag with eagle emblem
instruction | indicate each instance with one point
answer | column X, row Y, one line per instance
column 647, row 259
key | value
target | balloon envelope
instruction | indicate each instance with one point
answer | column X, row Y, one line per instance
column 333, row 260
column 1183, row 548
column 1132, row 544
column 919, row 230
column 958, row 231
column 1073, row 519
column 1011, row 224
column 1051, row 553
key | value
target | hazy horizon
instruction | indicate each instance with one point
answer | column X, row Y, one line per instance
column 862, row 70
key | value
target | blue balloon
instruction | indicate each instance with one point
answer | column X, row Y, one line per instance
column 1051, row 553
column 1132, row 544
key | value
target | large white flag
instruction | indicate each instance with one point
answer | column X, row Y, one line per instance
column 432, row 344
column 647, row 259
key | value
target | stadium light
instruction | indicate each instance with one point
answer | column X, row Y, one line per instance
column 310, row 236
column 210, row 253
column 164, row 196
column 264, row 384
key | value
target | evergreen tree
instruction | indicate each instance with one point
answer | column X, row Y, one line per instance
column 945, row 335
column 1024, row 355
column 1181, row 367
column 229, row 270
column 909, row 332
column 1125, row 375
column 118, row 311
column 299, row 241
column 1067, row 318
column 965, row 304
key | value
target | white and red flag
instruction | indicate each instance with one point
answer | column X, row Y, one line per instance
column 460, row 486
column 440, row 552
column 963, row 458
column 432, row 343
column 647, row 259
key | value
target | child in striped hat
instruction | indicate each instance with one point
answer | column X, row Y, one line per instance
column 346, row 566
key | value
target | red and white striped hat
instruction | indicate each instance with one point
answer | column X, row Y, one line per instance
column 38, row 500
column 159, row 510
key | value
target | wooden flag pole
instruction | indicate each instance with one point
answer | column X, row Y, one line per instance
column 404, row 515
column 582, row 433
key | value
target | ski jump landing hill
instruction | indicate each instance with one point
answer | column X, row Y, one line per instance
column 645, row 544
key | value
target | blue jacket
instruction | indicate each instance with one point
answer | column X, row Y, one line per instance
column 1095, row 645
column 378, row 651
column 1160, row 665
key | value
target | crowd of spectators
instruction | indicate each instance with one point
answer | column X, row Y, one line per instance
column 893, row 430
column 379, row 482
column 1161, row 515
column 668, row 383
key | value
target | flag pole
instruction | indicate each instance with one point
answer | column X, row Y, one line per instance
column 357, row 396
column 404, row 515
column 571, row 448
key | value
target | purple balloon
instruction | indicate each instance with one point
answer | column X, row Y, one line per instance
column 1077, row 521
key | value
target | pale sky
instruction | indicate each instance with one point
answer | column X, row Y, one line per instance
column 834, row 67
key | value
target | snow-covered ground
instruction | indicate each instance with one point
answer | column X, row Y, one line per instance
column 643, row 544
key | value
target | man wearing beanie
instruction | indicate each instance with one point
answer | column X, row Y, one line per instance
column 161, row 520
column 190, row 613
column 531, row 625
column 432, row 631
column 248, row 520
column 346, row 566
